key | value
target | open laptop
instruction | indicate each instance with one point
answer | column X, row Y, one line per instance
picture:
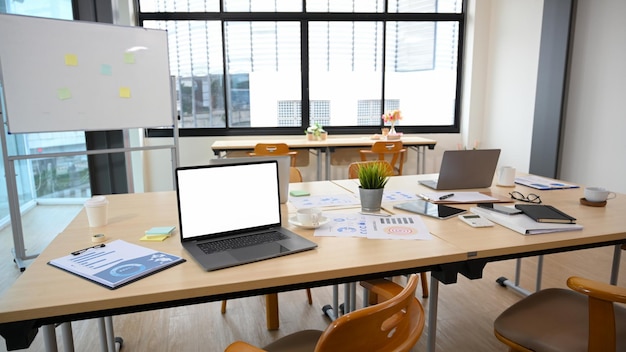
column 463, row 169
column 284, row 163
column 219, row 204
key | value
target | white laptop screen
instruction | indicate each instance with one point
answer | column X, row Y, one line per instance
column 225, row 198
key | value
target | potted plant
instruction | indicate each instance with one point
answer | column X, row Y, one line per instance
column 316, row 132
column 373, row 177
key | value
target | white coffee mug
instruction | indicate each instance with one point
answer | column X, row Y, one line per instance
column 598, row 194
column 506, row 176
column 309, row 216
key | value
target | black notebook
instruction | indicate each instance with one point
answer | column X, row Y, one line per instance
column 545, row 213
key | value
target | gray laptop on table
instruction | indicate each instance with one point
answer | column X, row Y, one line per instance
column 230, row 214
column 284, row 165
column 463, row 169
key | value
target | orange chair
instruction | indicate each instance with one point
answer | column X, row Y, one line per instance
column 295, row 175
column 584, row 318
column 353, row 172
column 386, row 149
column 273, row 149
column 395, row 324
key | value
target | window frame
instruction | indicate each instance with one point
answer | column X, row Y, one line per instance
column 304, row 18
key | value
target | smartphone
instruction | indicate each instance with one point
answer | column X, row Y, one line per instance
column 499, row 208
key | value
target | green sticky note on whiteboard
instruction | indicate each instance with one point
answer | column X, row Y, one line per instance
column 64, row 93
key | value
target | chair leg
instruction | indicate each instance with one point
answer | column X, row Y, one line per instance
column 308, row 296
column 224, row 307
column 424, row 285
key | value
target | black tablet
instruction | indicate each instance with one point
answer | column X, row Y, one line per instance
column 422, row 207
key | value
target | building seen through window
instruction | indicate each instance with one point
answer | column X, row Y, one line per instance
column 258, row 65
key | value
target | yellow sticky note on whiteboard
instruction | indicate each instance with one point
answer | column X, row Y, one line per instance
column 129, row 58
column 124, row 92
column 71, row 60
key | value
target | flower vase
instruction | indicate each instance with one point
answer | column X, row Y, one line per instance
column 393, row 135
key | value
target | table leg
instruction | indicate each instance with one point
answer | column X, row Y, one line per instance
column 432, row 314
column 271, row 311
column 110, row 334
column 49, row 338
column 102, row 330
column 328, row 157
column 617, row 254
column 67, row 336
column 319, row 164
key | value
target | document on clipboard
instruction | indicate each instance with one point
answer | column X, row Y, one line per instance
column 115, row 264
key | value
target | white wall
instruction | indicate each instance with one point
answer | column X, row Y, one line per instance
column 595, row 130
column 507, row 52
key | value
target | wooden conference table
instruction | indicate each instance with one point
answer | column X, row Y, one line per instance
column 455, row 248
column 328, row 146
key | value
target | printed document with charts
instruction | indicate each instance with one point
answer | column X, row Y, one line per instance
column 115, row 264
column 524, row 224
column 397, row 227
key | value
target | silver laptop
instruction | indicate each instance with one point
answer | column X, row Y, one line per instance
column 463, row 169
column 284, row 164
column 230, row 214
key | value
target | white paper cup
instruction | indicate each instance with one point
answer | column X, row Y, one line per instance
column 97, row 209
column 506, row 176
column 309, row 216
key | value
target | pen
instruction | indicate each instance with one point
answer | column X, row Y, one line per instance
column 446, row 196
column 375, row 214
column 84, row 249
column 423, row 197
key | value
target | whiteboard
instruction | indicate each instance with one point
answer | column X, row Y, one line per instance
column 62, row 75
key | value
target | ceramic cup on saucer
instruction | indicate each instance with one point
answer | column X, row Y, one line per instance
column 598, row 194
column 309, row 216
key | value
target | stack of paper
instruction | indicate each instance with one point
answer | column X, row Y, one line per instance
column 524, row 224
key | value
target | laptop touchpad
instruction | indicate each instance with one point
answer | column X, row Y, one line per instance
column 260, row 251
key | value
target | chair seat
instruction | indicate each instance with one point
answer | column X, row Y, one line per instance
column 301, row 341
column 554, row 320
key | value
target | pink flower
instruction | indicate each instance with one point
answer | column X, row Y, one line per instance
column 392, row 116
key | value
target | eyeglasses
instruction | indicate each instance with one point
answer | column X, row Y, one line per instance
column 531, row 198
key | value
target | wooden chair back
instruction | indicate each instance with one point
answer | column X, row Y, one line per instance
column 395, row 324
column 273, row 149
column 384, row 150
column 294, row 175
column 353, row 168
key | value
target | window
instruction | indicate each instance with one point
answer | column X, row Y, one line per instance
column 275, row 66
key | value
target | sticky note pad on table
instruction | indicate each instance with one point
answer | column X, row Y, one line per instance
column 160, row 230
column 154, row 238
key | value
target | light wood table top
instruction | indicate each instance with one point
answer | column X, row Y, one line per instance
column 600, row 224
column 303, row 143
column 46, row 292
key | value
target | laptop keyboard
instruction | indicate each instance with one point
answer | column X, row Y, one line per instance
column 240, row 242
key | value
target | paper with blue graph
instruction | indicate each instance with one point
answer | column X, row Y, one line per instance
column 399, row 227
column 115, row 264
